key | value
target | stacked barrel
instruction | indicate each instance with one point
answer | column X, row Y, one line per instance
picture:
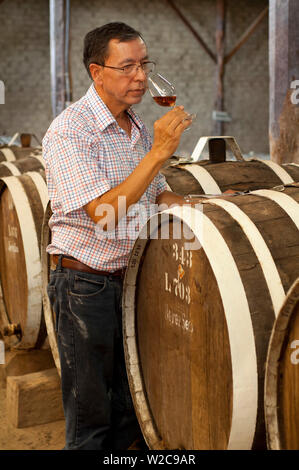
column 23, row 199
column 220, row 271
column 215, row 177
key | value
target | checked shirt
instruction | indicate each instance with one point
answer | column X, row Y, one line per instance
column 86, row 154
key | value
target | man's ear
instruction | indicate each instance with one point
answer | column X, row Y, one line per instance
column 96, row 72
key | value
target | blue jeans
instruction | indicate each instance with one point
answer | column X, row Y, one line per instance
column 97, row 403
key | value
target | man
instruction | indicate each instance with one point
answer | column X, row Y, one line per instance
column 98, row 152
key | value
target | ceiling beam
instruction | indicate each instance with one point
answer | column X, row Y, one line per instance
column 246, row 35
column 193, row 31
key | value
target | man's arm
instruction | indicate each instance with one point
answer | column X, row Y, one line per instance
column 167, row 134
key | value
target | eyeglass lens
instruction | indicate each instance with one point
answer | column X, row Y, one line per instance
column 147, row 67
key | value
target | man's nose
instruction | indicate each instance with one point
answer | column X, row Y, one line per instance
column 140, row 74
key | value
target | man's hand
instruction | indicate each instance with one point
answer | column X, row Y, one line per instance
column 168, row 131
column 170, row 199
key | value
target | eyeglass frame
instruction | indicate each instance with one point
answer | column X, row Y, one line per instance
column 122, row 69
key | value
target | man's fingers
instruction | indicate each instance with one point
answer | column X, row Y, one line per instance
column 168, row 117
column 181, row 117
column 170, row 127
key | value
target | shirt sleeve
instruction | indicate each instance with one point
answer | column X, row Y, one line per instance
column 74, row 168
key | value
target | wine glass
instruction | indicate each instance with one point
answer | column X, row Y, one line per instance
column 163, row 92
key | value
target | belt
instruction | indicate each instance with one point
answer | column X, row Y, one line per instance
column 72, row 263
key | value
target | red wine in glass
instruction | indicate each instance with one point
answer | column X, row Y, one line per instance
column 162, row 91
column 165, row 100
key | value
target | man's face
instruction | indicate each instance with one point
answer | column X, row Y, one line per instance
column 115, row 87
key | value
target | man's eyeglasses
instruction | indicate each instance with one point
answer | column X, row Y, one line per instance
column 131, row 69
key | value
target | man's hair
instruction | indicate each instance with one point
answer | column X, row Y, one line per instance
column 96, row 42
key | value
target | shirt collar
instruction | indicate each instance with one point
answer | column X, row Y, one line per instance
column 101, row 112
column 135, row 118
column 103, row 115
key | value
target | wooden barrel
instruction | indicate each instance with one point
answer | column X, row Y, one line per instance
column 205, row 177
column 22, row 203
column 198, row 314
column 47, row 308
column 18, row 167
column 282, row 376
column 13, row 152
